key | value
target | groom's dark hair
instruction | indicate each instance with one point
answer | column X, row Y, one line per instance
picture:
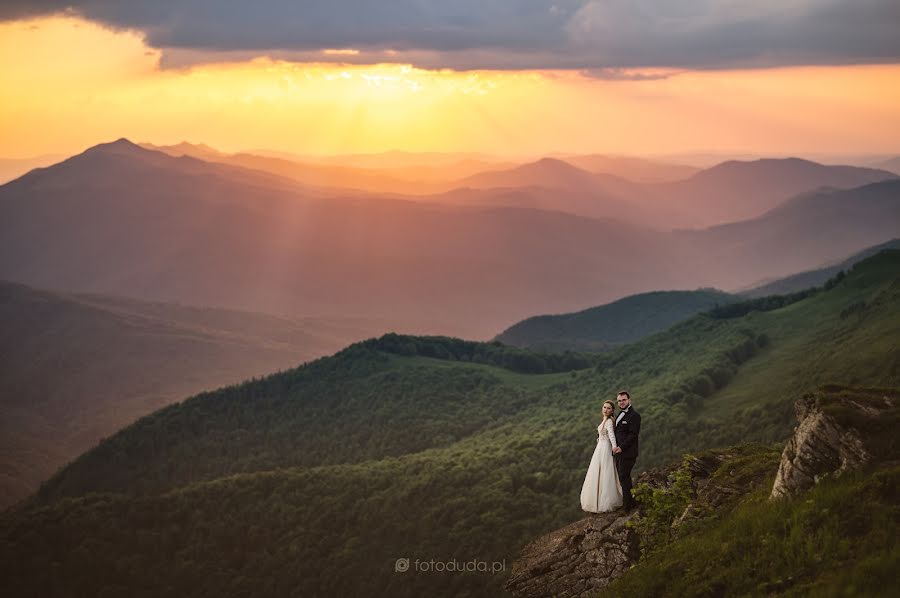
column 624, row 392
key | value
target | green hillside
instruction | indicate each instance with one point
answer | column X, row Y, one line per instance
column 315, row 480
column 609, row 326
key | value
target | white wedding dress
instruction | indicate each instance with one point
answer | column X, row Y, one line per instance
column 602, row 490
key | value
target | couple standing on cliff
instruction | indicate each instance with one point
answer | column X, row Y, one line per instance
column 607, row 484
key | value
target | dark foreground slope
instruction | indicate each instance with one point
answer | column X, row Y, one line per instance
column 316, row 480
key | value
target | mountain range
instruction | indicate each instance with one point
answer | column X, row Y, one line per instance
column 121, row 219
column 655, row 194
column 727, row 192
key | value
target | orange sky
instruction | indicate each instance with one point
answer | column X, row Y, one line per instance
column 69, row 83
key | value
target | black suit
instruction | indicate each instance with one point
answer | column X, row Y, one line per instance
column 627, row 430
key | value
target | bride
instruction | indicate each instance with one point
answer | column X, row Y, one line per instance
column 602, row 490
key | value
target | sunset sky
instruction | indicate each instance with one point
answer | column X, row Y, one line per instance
column 511, row 77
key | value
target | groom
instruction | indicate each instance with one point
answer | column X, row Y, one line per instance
column 628, row 426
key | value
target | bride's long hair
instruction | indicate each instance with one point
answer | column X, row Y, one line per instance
column 612, row 413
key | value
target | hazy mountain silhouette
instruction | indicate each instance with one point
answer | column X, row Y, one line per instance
column 728, row 192
column 552, row 184
column 812, row 278
column 586, row 203
column 392, row 172
column 332, row 176
column 836, row 222
column 552, row 173
column 125, row 220
column 737, row 190
column 638, row 170
column 122, row 219
column 892, row 165
column 631, row 318
column 79, row 367
column 608, row 326
column 195, row 150
column 127, row 160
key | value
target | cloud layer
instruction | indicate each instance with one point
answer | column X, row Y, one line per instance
column 596, row 36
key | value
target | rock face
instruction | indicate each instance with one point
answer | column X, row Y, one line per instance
column 576, row 560
column 838, row 430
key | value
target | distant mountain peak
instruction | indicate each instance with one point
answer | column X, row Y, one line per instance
column 761, row 163
column 122, row 142
column 545, row 172
column 202, row 146
column 550, row 167
column 804, row 173
column 198, row 150
column 119, row 146
column 552, row 163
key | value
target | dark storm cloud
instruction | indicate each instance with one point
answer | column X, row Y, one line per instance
column 599, row 36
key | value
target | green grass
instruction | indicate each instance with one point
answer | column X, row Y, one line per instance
column 840, row 539
column 811, row 341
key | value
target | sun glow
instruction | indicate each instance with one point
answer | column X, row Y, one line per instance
column 70, row 83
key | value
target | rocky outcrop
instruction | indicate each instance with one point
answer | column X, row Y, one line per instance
column 839, row 429
column 584, row 557
column 576, row 560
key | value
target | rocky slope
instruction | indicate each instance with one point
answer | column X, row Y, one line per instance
column 577, row 559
